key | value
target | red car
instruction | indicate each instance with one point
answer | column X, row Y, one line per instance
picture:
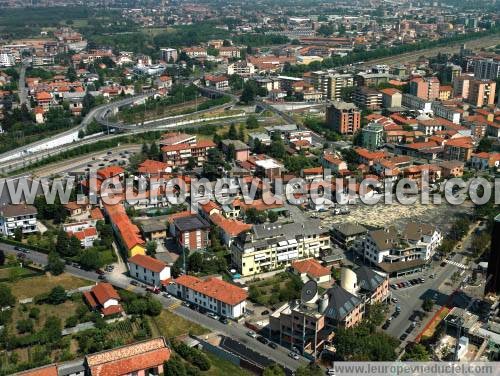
column 154, row 290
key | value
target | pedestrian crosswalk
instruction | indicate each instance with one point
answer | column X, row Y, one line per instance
column 457, row 264
column 175, row 305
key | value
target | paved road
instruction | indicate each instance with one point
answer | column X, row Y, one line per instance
column 411, row 298
column 233, row 330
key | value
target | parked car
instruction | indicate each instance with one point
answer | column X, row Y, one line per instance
column 403, row 336
column 394, row 286
column 394, row 299
column 409, row 329
column 443, row 264
column 330, row 372
column 263, row 340
column 134, row 283
column 213, row 315
column 167, row 295
column 386, row 325
column 102, row 278
column 224, row 320
column 154, row 290
column 21, row 255
column 396, row 314
column 293, row 355
column 99, row 271
column 398, row 308
column 273, row 345
column 266, row 312
column 252, row 334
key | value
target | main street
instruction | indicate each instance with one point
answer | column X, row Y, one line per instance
column 233, row 330
column 410, row 299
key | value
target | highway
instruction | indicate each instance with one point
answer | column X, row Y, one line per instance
column 233, row 330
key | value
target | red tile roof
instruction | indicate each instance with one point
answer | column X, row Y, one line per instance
column 109, row 172
column 214, row 288
column 152, row 167
column 462, row 142
column 148, row 263
column 129, row 232
column 209, row 206
column 231, row 227
column 129, row 359
column 104, row 291
column 96, row 214
column 49, row 370
column 311, row 267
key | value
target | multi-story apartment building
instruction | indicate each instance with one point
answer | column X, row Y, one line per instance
column 458, row 149
column 211, row 294
column 309, row 324
column 148, row 269
column 391, row 98
column 241, row 68
column 461, row 86
column 191, row 232
column 371, row 79
column 482, row 92
column 179, row 154
column 372, row 136
column 400, row 253
column 367, row 97
column 230, row 52
column 274, row 246
column 343, row 117
column 168, row 54
column 336, row 82
column 425, row 88
column 487, row 69
column 17, row 216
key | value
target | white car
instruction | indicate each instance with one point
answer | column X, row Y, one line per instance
column 252, row 334
column 293, row 355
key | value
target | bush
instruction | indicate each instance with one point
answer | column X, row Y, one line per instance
column 192, row 355
column 71, row 322
column 34, row 313
column 24, row 326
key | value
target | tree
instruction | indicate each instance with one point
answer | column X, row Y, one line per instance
column 191, row 163
column 6, row 297
column 71, row 74
column 309, row 370
column 416, row 352
column 90, row 259
column 427, row 304
column 151, row 248
column 376, row 313
column 274, row 370
column 55, row 265
column 252, row 122
column 24, row 326
column 174, row 367
column 57, row 295
column 74, row 246
column 153, row 151
column 18, row 234
column 272, row 216
column 232, row 134
column 485, row 145
column 62, row 243
column 51, row 332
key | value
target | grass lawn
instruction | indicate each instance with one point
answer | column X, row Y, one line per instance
column 30, row 287
column 6, row 273
column 223, row 367
column 171, row 325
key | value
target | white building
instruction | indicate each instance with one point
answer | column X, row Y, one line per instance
column 212, row 294
column 168, row 54
column 17, row 216
column 7, row 59
column 241, row 68
column 148, row 269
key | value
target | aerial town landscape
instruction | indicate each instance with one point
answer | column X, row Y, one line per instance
column 208, row 187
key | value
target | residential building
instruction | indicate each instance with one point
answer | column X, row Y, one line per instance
column 347, row 233
column 168, row 54
column 336, row 83
column 87, row 236
column 14, row 216
column 178, row 155
column 482, row 93
column 148, row 270
column 372, row 136
column 241, row 150
column 425, row 88
column 461, row 86
column 104, row 298
column 391, row 98
column 176, row 138
column 367, row 97
column 311, row 270
column 399, row 254
column 211, row 294
column 275, row 246
column 331, row 162
column 217, row 82
column 343, row 117
column 229, row 229
column 459, row 149
column 371, row 79
column 140, row 358
column 451, row 169
column 445, row 92
column 127, row 233
column 191, row 232
column 487, row 68
column 485, row 161
column 195, row 52
column 230, row 52
column 268, row 168
column 241, row 68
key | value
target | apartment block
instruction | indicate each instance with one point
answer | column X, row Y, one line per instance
column 343, row 117
column 482, row 92
column 275, row 246
column 367, row 97
column 17, row 216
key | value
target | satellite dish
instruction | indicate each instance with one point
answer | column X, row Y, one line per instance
column 309, row 291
